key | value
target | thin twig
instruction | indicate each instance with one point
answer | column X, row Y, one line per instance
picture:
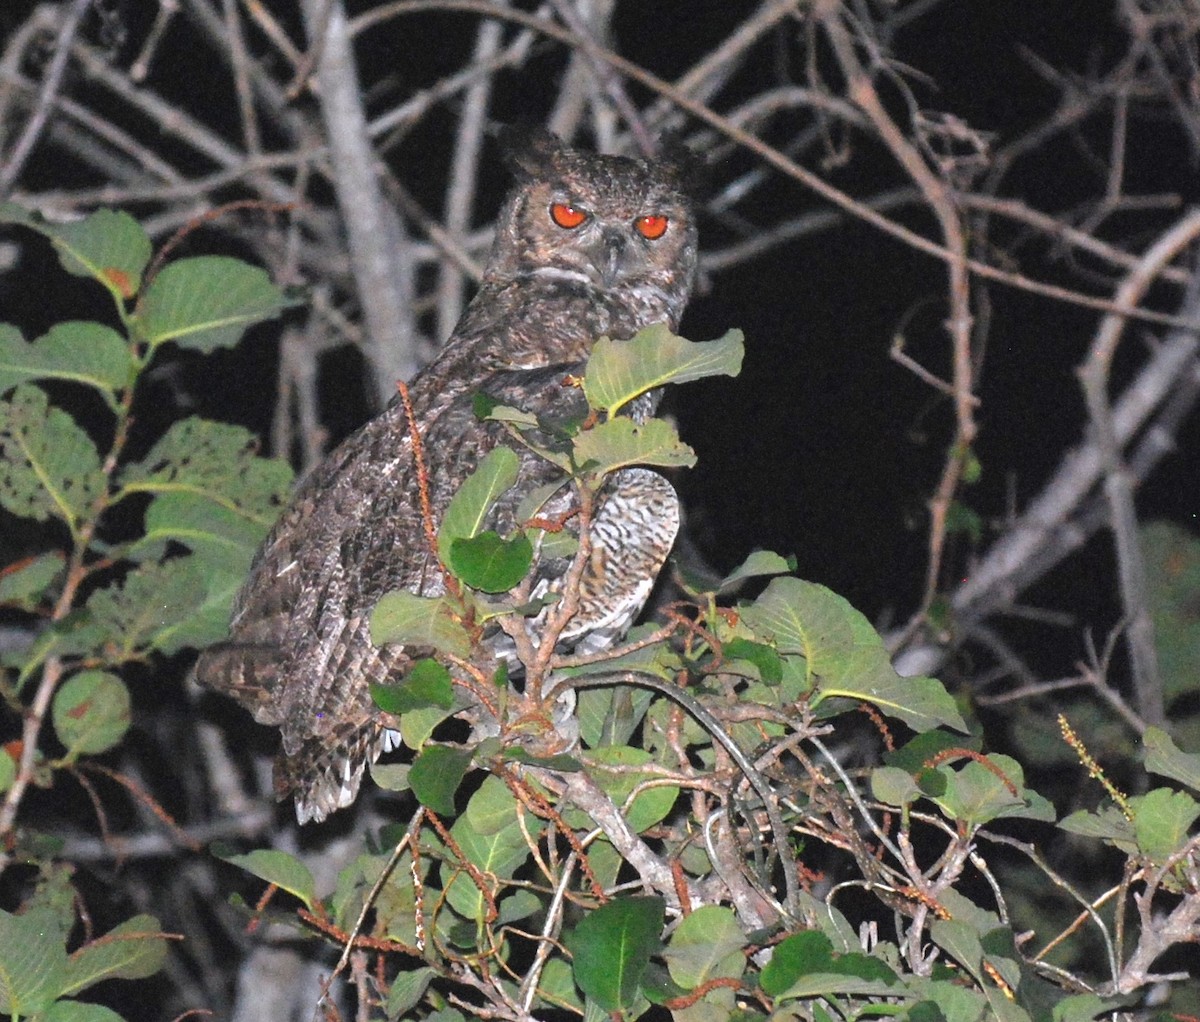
column 72, row 16
column 1094, row 375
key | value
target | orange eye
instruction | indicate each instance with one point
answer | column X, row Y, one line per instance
column 652, row 227
column 567, row 216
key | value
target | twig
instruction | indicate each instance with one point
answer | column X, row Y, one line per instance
column 356, row 930
column 464, row 170
column 1094, row 375
column 167, row 9
column 378, row 246
column 251, row 135
column 1059, row 519
column 72, row 16
column 753, row 776
column 768, row 153
column 609, row 82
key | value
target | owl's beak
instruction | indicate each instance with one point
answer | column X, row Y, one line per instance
column 608, row 255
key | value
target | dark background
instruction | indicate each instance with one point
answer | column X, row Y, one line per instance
column 824, row 447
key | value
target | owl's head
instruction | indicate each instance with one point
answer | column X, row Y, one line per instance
column 616, row 224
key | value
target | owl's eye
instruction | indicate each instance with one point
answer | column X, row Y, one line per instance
column 651, row 227
column 567, row 216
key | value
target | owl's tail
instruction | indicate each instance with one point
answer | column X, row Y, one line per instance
column 324, row 773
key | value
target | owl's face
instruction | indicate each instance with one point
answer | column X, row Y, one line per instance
column 612, row 223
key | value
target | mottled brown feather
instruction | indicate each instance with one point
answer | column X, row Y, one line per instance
column 299, row 654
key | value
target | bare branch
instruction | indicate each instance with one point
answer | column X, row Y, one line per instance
column 378, row 247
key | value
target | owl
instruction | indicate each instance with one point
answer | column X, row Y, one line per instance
column 586, row 246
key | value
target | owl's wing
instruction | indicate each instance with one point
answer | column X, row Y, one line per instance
column 297, row 584
column 299, row 655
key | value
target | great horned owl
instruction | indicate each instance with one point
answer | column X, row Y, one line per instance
column 586, row 246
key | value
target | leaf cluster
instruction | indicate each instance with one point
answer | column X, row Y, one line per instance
column 688, row 824
column 94, row 597
column 695, row 756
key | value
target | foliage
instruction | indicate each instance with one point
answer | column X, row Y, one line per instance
column 655, row 830
column 98, row 597
column 922, row 258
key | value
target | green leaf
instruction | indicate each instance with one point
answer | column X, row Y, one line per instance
column 949, row 1001
column 549, row 546
column 408, row 988
column 794, row 957
column 763, row 657
column 611, row 948
column 893, row 786
column 76, row 634
column 216, row 461
column 1161, row 821
column 206, row 302
column 390, row 776
column 1084, row 1007
column 805, row 965
column 962, row 519
column 25, row 583
column 133, row 950
column 91, row 712
column 488, row 408
column 414, row 620
column 492, row 808
column 8, row 769
column 961, row 941
column 79, row 1011
column 802, row 617
column 658, row 987
column 556, row 985
column 418, row 725
column 916, row 755
column 649, row 806
column 1172, row 556
column 618, row 371
column 223, row 538
column 758, row 564
column 49, row 467
column 33, row 960
column 706, row 944
column 108, row 246
column 1163, row 756
column 182, row 602
column 610, row 716
column 521, row 904
column 279, row 868
column 491, row 563
column 427, row 684
column 81, row 351
column 470, row 505
column 621, row 442
column 976, row 795
column 561, row 761
column 436, row 774
column 1107, row 824
column 496, row 852
column 844, row 654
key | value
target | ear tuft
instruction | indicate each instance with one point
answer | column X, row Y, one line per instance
column 689, row 170
column 531, row 151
